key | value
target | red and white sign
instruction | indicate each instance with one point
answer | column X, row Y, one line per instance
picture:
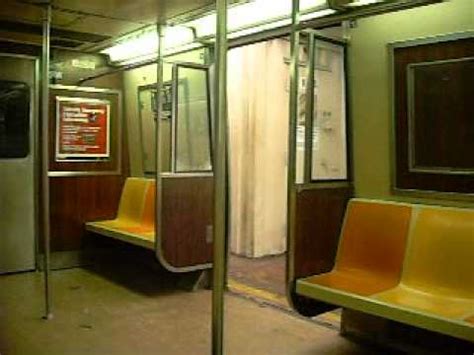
column 82, row 128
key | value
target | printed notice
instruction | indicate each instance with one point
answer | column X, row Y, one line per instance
column 82, row 128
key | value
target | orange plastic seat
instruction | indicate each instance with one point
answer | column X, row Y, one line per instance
column 135, row 222
column 438, row 274
column 147, row 223
column 131, row 205
column 371, row 248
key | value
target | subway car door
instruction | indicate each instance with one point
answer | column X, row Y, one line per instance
column 17, row 163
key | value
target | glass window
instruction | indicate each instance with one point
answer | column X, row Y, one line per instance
column 329, row 153
column 192, row 125
column 14, row 119
column 147, row 105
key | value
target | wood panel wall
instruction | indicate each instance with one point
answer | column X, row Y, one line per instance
column 319, row 218
column 76, row 200
column 187, row 213
column 441, row 133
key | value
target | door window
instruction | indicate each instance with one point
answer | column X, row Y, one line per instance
column 14, row 119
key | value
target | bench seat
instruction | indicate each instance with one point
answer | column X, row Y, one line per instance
column 434, row 288
column 463, row 329
column 135, row 222
column 144, row 240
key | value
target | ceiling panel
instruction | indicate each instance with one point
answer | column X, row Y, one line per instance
column 35, row 39
column 16, row 11
column 92, row 21
column 143, row 11
column 101, row 25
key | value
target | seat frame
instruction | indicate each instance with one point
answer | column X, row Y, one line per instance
column 459, row 328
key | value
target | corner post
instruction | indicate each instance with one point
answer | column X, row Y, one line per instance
column 220, row 188
column 159, row 109
column 45, row 208
column 293, row 117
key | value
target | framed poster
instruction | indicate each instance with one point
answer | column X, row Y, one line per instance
column 82, row 128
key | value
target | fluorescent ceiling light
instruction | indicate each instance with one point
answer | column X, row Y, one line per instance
column 253, row 13
column 280, row 23
column 242, row 20
column 146, row 43
column 317, row 14
column 363, row 3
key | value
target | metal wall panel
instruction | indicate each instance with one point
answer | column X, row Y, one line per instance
column 17, row 182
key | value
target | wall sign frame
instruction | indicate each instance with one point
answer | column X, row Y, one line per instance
column 433, row 117
column 82, row 129
column 91, row 163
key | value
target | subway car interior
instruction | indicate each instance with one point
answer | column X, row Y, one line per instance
column 236, row 177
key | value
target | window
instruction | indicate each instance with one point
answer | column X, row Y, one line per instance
column 14, row 119
column 192, row 129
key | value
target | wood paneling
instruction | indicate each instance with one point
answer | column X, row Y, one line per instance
column 76, row 200
column 442, row 121
column 437, row 129
column 187, row 212
column 319, row 217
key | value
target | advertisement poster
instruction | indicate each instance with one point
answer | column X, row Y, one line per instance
column 82, row 128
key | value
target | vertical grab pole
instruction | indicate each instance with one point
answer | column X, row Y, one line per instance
column 309, row 111
column 220, row 189
column 159, row 108
column 45, row 160
column 293, row 115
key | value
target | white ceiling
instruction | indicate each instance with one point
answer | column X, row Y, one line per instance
column 108, row 18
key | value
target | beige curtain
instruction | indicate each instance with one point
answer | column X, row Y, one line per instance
column 258, row 128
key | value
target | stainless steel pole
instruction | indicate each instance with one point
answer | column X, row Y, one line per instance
column 45, row 160
column 159, row 109
column 293, row 116
column 220, row 189
column 309, row 110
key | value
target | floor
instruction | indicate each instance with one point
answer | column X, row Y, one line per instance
column 267, row 273
column 264, row 280
column 126, row 308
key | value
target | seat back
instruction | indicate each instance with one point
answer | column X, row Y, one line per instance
column 373, row 238
column 132, row 199
column 148, row 218
column 440, row 255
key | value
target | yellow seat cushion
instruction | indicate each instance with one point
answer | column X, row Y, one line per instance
column 438, row 274
column 371, row 250
column 132, row 207
column 132, row 201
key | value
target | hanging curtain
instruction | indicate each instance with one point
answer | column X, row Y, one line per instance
column 258, row 129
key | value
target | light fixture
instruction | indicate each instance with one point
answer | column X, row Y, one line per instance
column 348, row 4
column 145, row 44
column 243, row 20
column 255, row 14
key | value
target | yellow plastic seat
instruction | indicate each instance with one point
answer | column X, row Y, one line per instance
column 131, row 205
column 438, row 274
column 146, row 226
column 135, row 222
column 371, row 250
